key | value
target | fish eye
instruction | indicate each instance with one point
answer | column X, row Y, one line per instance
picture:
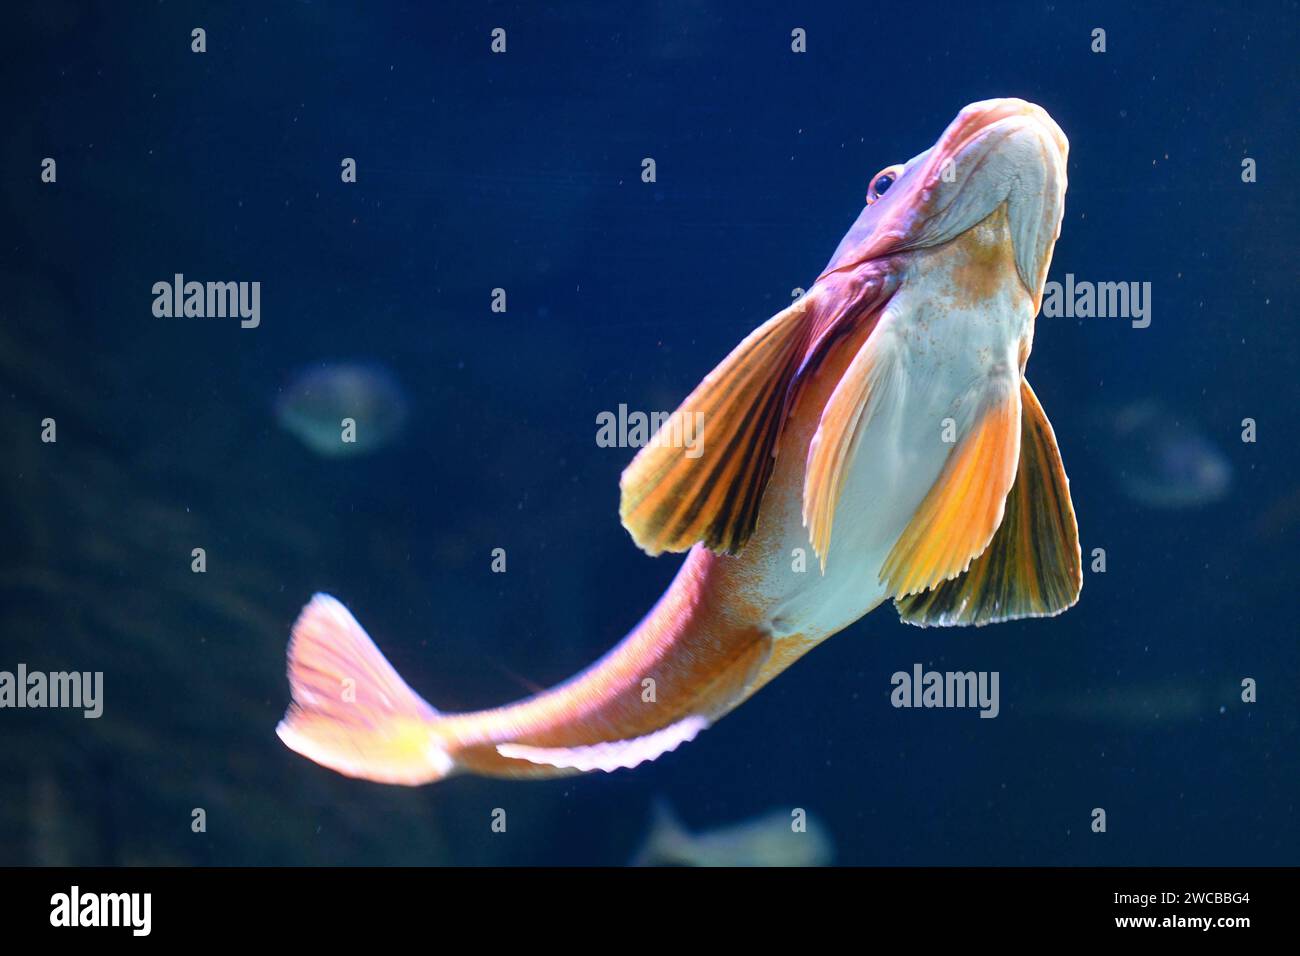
column 881, row 182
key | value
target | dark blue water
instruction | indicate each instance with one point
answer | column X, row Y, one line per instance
column 522, row 171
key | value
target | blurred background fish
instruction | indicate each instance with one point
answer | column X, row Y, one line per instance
column 1162, row 460
column 313, row 407
column 767, row 840
column 1137, row 705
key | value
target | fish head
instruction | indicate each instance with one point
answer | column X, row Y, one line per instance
column 1002, row 151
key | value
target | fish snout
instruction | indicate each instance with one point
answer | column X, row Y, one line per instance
column 1002, row 151
column 1012, row 115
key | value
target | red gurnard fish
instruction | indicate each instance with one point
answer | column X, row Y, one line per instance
column 876, row 440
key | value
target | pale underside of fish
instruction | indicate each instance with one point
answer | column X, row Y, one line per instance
column 877, row 440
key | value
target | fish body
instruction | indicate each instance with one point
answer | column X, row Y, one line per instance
column 773, row 839
column 875, row 441
column 314, row 406
column 1142, row 706
column 1164, row 461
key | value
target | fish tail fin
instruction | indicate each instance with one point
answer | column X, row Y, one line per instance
column 351, row 711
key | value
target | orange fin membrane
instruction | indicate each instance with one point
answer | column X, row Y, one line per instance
column 1033, row 567
column 351, row 711
column 958, row 517
column 675, row 493
column 856, row 399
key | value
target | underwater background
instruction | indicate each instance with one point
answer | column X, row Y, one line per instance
column 523, row 171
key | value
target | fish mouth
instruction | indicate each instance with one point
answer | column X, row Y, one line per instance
column 995, row 151
column 1004, row 118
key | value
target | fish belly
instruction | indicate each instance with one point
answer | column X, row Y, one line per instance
column 947, row 349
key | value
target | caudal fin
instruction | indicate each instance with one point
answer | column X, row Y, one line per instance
column 351, row 711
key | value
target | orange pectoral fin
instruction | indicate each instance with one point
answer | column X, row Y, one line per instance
column 1033, row 567
column 958, row 517
column 858, row 396
column 675, row 493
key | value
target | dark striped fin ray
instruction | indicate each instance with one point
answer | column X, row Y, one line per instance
column 1033, row 565
column 671, row 500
